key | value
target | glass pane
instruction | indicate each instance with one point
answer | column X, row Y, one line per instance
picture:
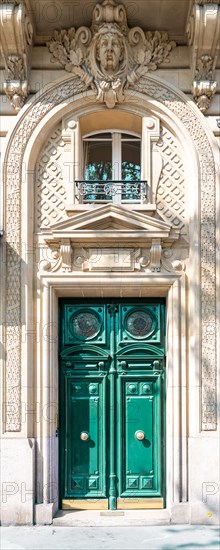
column 98, row 160
column 139, row 324
column 96, row 137
column 131, row 160
column 129, row 136
column 85, row 325
column 98, row 167
column 131, row 170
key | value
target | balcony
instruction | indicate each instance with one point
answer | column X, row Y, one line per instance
column 115, row 191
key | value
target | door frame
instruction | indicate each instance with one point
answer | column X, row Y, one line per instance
column 173, row 287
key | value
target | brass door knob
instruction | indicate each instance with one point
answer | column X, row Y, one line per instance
column 140, row 435
column 84, row 436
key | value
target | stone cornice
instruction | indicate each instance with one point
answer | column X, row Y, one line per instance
column 202, row 2
column 16, row 42
column 109, row 226
column 203, row 30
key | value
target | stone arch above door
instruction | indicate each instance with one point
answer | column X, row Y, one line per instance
column 42, row 113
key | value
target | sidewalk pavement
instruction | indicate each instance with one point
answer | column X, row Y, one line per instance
column 172, row 537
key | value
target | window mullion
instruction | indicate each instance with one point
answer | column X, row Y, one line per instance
column 116, row 164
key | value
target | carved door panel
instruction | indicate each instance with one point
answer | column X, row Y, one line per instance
column 111, row 404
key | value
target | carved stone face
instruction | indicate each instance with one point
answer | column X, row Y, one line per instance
column 109, row 52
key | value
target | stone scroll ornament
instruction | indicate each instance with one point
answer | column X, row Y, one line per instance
column 109, row 57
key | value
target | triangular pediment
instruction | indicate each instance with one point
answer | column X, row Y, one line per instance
column 111, row 217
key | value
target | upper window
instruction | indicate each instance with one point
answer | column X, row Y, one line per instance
column 112, row 168
column 112, row 156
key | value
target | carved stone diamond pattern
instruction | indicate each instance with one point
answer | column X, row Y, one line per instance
column 50, row 192
column 208, row 247
column 170, row 197
column 13, row 341
column 13, row 168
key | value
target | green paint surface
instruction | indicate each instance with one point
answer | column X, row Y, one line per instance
column 112, row 383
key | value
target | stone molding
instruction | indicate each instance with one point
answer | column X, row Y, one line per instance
column 202, row 2
column 203, row 30
column 179, row 106
column 112, row 251
column 109, row 57
column 110, row 259
column 69, row 259
column 16, row 43
column 105, row 286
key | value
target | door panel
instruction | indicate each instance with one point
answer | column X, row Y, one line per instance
column 111, row 404
column 85, row 472
column 140, row 436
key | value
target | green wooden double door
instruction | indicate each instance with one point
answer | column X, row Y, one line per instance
column 112, row 406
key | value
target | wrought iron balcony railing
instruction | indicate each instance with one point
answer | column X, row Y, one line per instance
column 116, row 191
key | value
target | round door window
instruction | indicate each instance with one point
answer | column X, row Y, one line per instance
column 85, row 325
column 139, row 324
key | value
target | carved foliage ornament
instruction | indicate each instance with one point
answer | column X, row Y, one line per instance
column 204, row 86
column 204, row 68
column 203, row 36
column 16, row 39
column 109, row 57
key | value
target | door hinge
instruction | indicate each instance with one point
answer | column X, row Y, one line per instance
column 57, row 425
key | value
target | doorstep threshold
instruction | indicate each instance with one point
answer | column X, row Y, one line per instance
column 100, row 518
column 112, row 513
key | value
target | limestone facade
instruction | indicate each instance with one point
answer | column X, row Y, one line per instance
column 162, row 88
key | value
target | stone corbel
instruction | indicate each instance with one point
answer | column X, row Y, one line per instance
column 66, row 254
column 204, row 87
column 16, row 41
column 56, row 255
column 155, row 255
column 203, row 36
